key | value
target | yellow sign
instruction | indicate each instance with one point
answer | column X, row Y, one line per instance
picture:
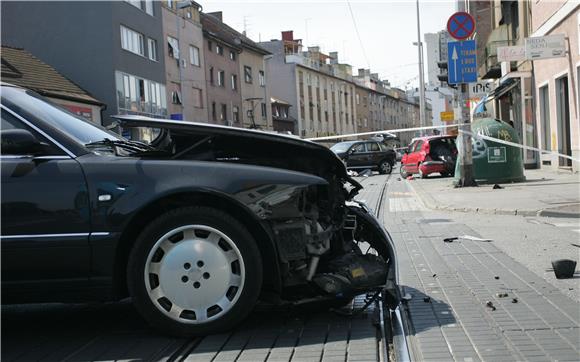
column 447, row 116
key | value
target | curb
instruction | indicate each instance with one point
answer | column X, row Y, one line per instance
column 430, row 203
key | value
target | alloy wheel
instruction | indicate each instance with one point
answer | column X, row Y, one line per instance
column 194, row 274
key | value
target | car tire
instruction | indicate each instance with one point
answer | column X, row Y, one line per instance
column 194, row 271
column 402, row 171
column 385, row 167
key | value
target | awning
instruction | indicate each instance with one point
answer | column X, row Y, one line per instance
column 504, row 87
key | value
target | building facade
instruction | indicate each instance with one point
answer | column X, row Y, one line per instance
column 557, row 84
column 184, row 62
column 319, row 89
column 111, row 49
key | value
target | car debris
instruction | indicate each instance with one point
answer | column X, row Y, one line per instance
column 501, row 295
column 490, row 305
column 365, row 173
column 474, row 238
column 564, row 268
column 497, row 187
column 450, row 240
column 514, row 300
column 496, row 277
column 427, row 299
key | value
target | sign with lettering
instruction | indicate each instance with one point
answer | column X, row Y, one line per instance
column 514, row 53
column 545, row 47
column 461, row 62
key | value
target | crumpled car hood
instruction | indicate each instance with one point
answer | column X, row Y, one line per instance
column 245, row 146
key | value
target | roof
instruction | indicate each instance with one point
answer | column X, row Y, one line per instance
column 279, row 101
column 21, row 68
column 216, row 28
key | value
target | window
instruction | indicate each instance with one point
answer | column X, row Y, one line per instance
column 149, row 7
column 209, row 45
column 373, row 147
column 173, row 47
column 213, row 111
column 211, row 75
column 264, row 112
column 197, row 98
column 247, row 74
column 140, row 95
column 232, row 55
column 194, row 55
column 224, row 112
column 132, row 41
column 236, row 114
column 152, row 49
column 234, row 82
column 221, row 78
column 262, row 78
column 545, row 118
column 219, row 49
column 358, row 148
column 175, row 97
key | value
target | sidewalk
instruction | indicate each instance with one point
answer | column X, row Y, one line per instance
column 544, row 193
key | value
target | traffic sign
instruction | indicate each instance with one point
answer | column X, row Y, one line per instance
column 447, row 116
column 461, row 25
column 461, row 62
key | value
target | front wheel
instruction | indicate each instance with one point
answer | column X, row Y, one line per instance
column 194, row 271
column 385, row 167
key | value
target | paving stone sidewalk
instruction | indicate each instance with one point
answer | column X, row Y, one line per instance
column 451, row 284
column 544, row 193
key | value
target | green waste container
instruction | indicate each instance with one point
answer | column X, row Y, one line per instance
column 493, row 162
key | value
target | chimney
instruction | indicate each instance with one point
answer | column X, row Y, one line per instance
column 361, row 72
column 315, row 49
column 217, row 15
column 288, row 35
column 333, row 57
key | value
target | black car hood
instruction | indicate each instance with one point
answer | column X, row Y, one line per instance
column 246, row 146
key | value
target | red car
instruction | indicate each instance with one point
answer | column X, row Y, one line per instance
column 427, row 155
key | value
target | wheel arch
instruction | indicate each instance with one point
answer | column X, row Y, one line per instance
column 260, row 233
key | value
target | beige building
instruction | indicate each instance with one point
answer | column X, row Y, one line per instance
column 184, row 62
column 557, row 84
column 256, row 106
column 318, row 88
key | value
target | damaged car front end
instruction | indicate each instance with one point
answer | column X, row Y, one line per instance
column 317, row 230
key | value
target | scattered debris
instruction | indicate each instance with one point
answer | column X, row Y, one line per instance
column 496, row 187
column 490, row 305
column 427, row 299
column 434, row 275
column 474, row 238
column 514, row 300
column 501, row 295
column 398, row 179
column 496, row 277
column 576, row 245
column 450, row 240
column 410, row 177
column 366, row 173
column 407, row 297
column 352, row 173
column 564, row 268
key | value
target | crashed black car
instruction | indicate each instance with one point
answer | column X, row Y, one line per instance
column 196, row 226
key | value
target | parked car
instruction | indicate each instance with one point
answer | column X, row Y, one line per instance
column 366, row 155
column 427, row 155
column 195, row 226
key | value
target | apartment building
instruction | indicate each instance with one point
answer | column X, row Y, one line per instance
column 557, row 84
column 184, row 62
column 224, row 98
column 111, row 49
column 319, row 89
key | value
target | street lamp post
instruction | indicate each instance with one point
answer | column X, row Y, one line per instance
column 421, row 80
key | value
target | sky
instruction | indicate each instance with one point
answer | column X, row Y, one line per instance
column 387, row 29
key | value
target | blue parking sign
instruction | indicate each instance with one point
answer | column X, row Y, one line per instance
column 462, row 62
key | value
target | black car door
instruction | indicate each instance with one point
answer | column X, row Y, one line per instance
column 357, row 155
column 45, row 215
column 374, row 153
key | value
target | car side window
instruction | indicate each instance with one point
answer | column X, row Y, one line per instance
column 373, row 147
column 418, row 146
column 358, row 148
column 9, row 122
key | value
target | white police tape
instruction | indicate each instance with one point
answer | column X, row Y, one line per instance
column 476, row 135
column 387, row 131
column 497, row 140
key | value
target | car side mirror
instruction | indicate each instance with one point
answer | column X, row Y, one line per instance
column 19, row 142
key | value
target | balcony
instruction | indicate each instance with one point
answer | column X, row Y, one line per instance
column 499, row 37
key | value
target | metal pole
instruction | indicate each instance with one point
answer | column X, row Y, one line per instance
column 179, row 62
column 466, row 159
column 421, row 80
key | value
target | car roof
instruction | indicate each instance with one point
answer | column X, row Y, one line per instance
column 429, row 138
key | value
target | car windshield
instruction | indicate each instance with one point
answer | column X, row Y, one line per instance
column 76, row 127
column 341, row 147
